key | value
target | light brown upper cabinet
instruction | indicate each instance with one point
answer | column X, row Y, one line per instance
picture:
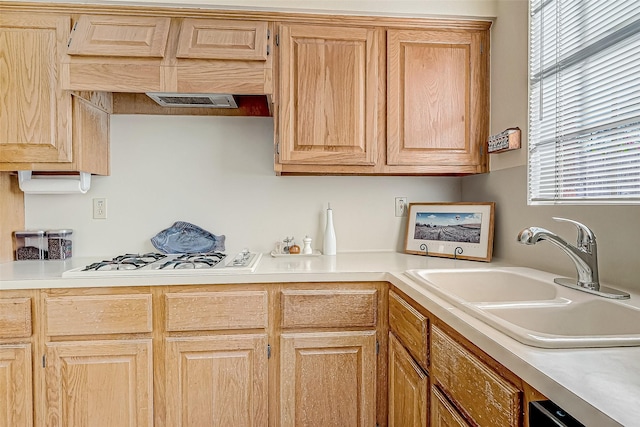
column 42, row 126
column 337, row 112
column 329, row 89
column 437, row 99
column 138, row 54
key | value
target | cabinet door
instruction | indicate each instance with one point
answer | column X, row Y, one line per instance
column 16, row 387
column 99, row 383
column 104, row 35
column 217, row 381
column 222, row 39
column 329, row 82
column 408, row 388
column 443, row 413
column 328, row 379
column 35, row 113
column 437, row 98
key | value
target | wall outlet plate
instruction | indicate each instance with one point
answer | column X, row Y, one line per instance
column 100, row 208
column 401, row 206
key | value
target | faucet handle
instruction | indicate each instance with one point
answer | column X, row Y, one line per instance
column 586, row 238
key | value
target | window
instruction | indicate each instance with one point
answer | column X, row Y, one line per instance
column 584, row 101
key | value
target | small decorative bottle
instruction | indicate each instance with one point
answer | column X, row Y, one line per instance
column 306, row 249
column 329, row 244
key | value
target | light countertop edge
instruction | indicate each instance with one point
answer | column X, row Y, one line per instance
column 598, row 386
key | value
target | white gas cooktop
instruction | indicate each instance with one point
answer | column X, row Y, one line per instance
column 169, row 265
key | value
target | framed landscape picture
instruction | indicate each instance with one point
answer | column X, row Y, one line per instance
column 451, row 230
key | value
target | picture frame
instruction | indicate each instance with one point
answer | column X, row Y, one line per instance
column 456, row 230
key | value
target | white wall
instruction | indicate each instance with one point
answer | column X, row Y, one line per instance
column 217, row 172
column 509, row 78
column 458, row 8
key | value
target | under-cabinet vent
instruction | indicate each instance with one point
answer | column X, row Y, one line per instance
column 168, row 99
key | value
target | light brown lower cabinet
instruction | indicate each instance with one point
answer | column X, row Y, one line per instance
column 467, row 386
column 16, row 348
column 106, row 383
column 443, row 413
column 328, row 379
column 295, row 354
column 98, row 357
column 16, row 398
column 408, row 388
column 217, row 381
column 481, row 391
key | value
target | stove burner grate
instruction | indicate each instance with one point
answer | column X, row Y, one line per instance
column 197, row 260
column 125, row 262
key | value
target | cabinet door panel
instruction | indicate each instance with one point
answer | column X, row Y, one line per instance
column 222, row 39
column 329, row 86
column 443, row 413
column 16, row 407
column 487, row 398
column 436, row 97
column 35, row 113
column 142, row 36
column 328, row 378
column 408, row 388
column 99, row 383
column 217, row 381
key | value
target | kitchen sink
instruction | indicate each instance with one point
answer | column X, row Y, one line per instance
column 595, row 323
column 528, row 306
column 487, row 285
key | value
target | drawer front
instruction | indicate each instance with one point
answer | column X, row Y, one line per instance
column 330, row 308
column 411, row 327
column 216, row 310
column 98, row 315
column 15, row 317
column 485, row 396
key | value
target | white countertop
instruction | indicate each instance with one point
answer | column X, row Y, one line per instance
column 598, row 386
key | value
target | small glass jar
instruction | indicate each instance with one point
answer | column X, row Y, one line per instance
column 30, row 244
column 60, row 244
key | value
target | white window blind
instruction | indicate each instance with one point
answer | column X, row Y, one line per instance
column 584, row 101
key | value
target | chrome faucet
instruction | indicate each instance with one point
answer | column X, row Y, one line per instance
column 584, row 255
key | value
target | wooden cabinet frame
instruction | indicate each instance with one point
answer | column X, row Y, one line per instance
column 429, row 113
column 273, row 352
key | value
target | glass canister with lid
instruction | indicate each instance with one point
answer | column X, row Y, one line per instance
column 60, row 244
column 30, row 244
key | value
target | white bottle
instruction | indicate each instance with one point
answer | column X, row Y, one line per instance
column 329, row 244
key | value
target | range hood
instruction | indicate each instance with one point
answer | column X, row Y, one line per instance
column 201, row 100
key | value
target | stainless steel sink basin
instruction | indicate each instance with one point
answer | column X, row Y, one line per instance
column 528, row 306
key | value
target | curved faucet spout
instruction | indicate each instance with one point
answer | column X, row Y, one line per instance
column 583, row 256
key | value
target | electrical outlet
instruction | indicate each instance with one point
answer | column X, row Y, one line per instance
column 401, row 206
column 100, row 208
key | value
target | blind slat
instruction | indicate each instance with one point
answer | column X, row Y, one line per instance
column 584, row 103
